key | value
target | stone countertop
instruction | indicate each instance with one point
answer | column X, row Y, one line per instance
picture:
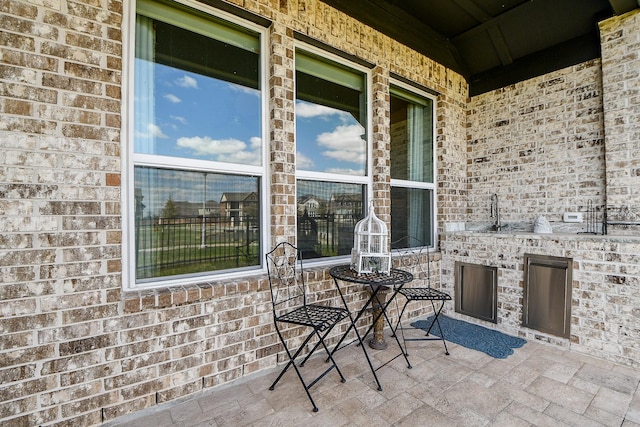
column 530, row 234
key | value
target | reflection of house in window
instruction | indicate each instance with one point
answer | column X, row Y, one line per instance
column 181, row 209
column 211, row 208
column 239, row 205
column 342, row 204
column 184, row 209
column 309, row 205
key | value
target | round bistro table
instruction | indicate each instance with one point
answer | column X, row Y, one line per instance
column 377, row 283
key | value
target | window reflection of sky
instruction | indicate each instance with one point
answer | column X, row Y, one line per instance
column 329, row 140
column 204, row 118
column 200, row 117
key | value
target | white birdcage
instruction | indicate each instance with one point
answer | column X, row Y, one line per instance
column 370, row 247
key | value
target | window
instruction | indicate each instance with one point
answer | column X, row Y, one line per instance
column 412, row 166
column 197, row 168
column 331, row 153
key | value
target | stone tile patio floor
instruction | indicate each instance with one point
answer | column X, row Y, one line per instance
column 538, row 385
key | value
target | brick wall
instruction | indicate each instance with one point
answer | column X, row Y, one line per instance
column 74, row 348
column 538, row 144
column 542, row 144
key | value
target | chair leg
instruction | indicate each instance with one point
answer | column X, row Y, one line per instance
column 360, row 343
column 404, row 351
column 292, row 358
column 399, row 325
column 315, row 347
column 436, row 320
column 329, row 358
column 324, row 345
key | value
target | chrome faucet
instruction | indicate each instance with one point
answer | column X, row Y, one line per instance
column 495, row 212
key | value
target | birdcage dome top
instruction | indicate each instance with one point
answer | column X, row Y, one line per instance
column 371, row 225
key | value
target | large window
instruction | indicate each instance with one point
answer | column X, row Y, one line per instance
column 331, row 153
column 412, row 166
column 197, row 169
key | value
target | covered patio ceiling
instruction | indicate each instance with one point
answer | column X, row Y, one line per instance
column 493, row 43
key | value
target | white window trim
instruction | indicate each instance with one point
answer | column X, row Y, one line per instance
column 367, row 180
column 127, row 182
column 324, row 176
column 433, row 185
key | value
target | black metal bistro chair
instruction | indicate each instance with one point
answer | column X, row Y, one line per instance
column 289, row 298
column 413, row 255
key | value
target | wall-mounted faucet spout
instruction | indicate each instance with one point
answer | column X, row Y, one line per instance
column 495, row 212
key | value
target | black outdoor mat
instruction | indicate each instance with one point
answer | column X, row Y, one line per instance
column 494, row 343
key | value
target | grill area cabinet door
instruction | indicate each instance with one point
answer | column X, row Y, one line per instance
column 476, row 291
column 547, row 294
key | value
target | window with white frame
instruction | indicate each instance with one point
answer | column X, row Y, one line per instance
column 197, row 157
column 412, row 165
column 332, row 152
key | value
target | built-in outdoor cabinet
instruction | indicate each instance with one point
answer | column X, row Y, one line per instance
column 547, row 294
column 476, row 291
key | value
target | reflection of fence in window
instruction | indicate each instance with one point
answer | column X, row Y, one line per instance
column 326, row 235
column 170, row 246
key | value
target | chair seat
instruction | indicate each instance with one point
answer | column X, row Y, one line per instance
column 319, row 317
column 424, row 294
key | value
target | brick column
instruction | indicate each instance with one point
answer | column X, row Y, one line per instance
column 281, row 145
column 451, row 159
column 381, row 156
column 619, row 38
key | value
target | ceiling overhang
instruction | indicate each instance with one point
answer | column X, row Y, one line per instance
column 492, row 43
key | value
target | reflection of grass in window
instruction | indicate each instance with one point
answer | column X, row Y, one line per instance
column 197, row 260
column 177, row 249
column 328, row 250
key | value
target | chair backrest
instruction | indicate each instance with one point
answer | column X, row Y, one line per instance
column 286, row 278
column 412, row 254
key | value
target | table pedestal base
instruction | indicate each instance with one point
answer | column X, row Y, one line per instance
column 377, row 341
